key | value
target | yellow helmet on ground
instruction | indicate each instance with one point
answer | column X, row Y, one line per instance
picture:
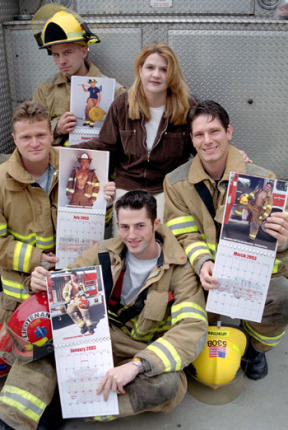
column 61, row 25
column 220, row 361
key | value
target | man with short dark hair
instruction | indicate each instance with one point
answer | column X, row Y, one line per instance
column 190, row 220
column 157, row 321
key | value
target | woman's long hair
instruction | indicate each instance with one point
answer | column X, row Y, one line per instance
column 177, row 101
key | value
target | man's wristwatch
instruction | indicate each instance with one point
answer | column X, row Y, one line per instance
column 138, row 363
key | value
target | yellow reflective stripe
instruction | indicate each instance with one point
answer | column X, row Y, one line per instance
column 21, row 257
column 3, row 229
column 212, row 247
column 94, row 184
column 87, row 195
column 17, row 250
column 167, row 354
column 105, row 418
column 276, row 265
column 27, row 258
column 69, row 190
column 195, row 250
column 33, row 238
column 181, row 225
column 94, row 194
column 187, row 310
column 23, row 401
column 138, row 334
column 265, row 340
column 108, row 215
column 14, row 289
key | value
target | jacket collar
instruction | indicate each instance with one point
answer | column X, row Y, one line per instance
column 19, row 176
column 234, row 163
column 172, row 252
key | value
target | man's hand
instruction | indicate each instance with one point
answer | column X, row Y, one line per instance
column 49, row 260
column 277, row 226
column 116, row 379
column 109, row 191
column 206, row 278
column 66, row 123
column 38, row 281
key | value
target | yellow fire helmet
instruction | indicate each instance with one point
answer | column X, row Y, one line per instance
column 219, row 362
column 55, row 24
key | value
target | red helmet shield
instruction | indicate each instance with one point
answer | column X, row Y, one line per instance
column 30, row 328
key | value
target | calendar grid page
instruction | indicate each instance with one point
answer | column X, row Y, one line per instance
column 246, row 252
column 81, row 340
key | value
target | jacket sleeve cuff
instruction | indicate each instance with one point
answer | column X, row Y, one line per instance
column 200, row 263
column 35, row 258
column 152, row 367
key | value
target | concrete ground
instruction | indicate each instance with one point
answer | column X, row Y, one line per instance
column 262, row 405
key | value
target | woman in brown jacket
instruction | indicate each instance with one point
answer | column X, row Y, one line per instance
column 146, row 128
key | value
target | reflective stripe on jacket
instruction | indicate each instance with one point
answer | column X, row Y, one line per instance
column 189, row 219
column 169, row 334
column 27, row 223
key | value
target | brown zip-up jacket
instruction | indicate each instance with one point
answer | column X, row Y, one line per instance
column 136, row 168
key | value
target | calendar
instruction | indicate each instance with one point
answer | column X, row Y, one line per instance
column 246, row 253
column 81, row 203
column 90, row 100
column 81, row 339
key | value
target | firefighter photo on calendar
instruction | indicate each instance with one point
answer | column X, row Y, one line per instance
column 82, row 175
column 250, row 201
column 76, row 301
column 83, row 185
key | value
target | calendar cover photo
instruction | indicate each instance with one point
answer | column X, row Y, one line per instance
column 81, row 203
column 246, row 252
column 81, row 339
column 90, row 100
column 250, row 201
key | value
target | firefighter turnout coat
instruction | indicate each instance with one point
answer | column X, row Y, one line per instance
column 55, row 95
column 27, row 226
column 169, row 330
column 189, row 220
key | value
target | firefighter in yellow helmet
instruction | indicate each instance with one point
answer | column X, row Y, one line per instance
column 83, row 185
column 66, row 37
column 74, row 294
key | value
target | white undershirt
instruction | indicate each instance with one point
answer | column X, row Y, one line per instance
column 153, row 124
column 135, row 275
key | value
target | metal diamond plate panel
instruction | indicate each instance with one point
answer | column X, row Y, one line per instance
column 29, row 65
column 110, row 7
column 247, row 73
column 117, row 51
column 8, row 10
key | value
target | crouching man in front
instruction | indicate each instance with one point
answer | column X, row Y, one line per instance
column 158, row 324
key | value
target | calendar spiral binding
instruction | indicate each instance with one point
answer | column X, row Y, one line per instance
column 241, row 247
column 82, row 341
column 84, row 131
